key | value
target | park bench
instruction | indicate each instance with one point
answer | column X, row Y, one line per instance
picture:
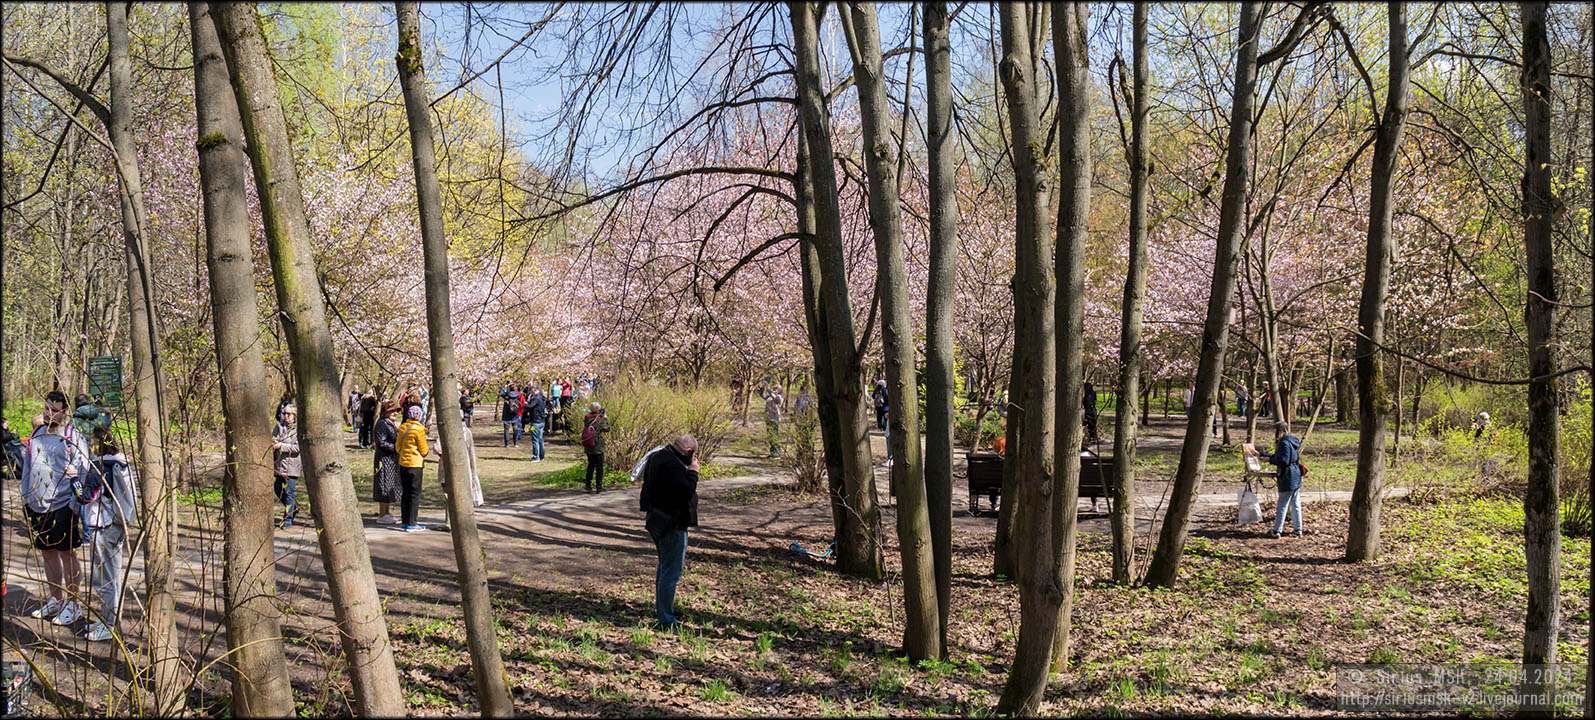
column 985, row 477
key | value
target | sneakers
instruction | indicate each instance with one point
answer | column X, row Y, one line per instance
column 415, row 528
column 98, row 631
column 70, row 613
column 388, row 519
column 1273, row 534
column 1302, row 533
column 51, row 607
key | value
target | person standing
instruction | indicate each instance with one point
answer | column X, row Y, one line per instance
column 773, row 404
column 1088, row 409
column 353, row 407
column 88, row 416
column 368, row 419
column 881, row 405
column 110, row 499
column 412, row 456
column 512, row 415
column 537, row 418
column 593, row 429
column 56, row 460
column 285, row 446
column 385, row 487
column 1189, row 396
column 467, row 405
column 670, row 505
column 1286, row 457
column 13, row 450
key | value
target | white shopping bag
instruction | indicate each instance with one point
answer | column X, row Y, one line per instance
column 1251, row 510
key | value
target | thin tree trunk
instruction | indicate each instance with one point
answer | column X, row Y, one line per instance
column 1030, row 454
column 921, row 627
column 858, row 538
column 477, row 601
column 254, row 623
column 819, row 339
column 1127, row 425
column 1344, row 405
column 939, row 351
column 1395, row 447
column 1164, row 568
column 341, row 534
column 1541, row 504
column 1073, row 62
column 1362, row 536
column 1318, row 407
column 161, row 604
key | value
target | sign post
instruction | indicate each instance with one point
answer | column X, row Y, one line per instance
column 105, row 380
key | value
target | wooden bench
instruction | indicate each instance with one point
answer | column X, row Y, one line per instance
column 985, row 478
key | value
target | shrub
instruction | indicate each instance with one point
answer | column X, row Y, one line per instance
column 643, row 415
column 991, row 428
column 802, row 452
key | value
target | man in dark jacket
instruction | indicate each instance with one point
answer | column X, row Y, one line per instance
column 670, row 499
column 535, row 417
column 511, row 399
column 1287, row 457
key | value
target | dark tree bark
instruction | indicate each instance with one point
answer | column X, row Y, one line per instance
column 363, row 630
column 1127, row 424
column 477, row 601
column 819, row 339
column 1165, row 564
column 1030, row 454
column 1344, row 405
column 940, row 403
column 254, row 623
column 1362, row 537
column 922, row 629
column 1542, row 531
column 858, row 537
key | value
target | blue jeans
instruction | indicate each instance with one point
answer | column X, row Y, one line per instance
column 537, row 440
column 672, row 545
column 1289, row 500
column 285, row 494
column 516, row 426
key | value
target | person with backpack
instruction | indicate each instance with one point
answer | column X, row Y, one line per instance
column 879, row 396
column 57, row 461
column 593, row 429
column 467, row 405
column 536, row 417
column 88, row 416
column 368, row 419
column 109, row 501
column 669, row 502
column 385, row 464
column 413, row 450
column 286, row 462
column 1288, row 479
column 511, row 417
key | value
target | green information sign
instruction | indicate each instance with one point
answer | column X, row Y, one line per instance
column 105, row 380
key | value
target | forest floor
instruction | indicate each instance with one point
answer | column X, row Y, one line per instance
column 1255, row 626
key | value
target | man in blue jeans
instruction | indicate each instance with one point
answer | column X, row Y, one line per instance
column 511, row 416
column 536, row 416
column 1287, row 457
column 670, row 499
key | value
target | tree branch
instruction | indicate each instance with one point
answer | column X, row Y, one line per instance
column 754, row 253
column 1298, row 28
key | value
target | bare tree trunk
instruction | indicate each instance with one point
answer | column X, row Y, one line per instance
column 1362, row 537
column 254, row 624
column 1074, row 214
column 819, row 340
column 858, row 538
column 1344, row 405
column 1318, row 407
column 921, row 627
column 1541, row 524
column 939, row 352
column 1030, row 452
column 1127, row 425
column 477, row 601
column 161, row 605
column 358, row 609
column 1164, row 568
column 1395, row 447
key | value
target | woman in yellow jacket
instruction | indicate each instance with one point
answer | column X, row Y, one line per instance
column 413, row 450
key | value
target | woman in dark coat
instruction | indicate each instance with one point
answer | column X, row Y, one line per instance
column 385, row 465
column 368, row 418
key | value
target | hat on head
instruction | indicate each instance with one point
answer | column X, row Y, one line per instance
column 388, row 407
column 413, row 412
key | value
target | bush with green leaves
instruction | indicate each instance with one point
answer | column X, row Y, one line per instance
column 991, row 427
column 643, row 415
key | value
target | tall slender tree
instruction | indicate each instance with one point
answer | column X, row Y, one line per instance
column 1034, row 384
column 1127, row 423
column 254, row 623
column 922, row 630
column 1165, row 565
column 939, row 352
column 477, row 605
column 345, row 556
column 1362, row 537
column 1542, row 532
column 858, row 537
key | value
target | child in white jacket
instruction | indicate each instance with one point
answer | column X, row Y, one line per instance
column 109, row 502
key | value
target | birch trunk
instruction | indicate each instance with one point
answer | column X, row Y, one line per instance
column 362, row 628
column 477, row 601
column 254, row 624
